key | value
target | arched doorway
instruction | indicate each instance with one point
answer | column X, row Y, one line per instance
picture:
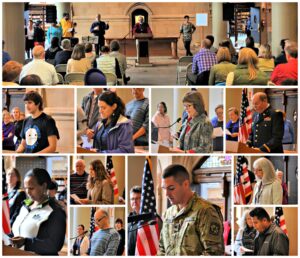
column 136, row 13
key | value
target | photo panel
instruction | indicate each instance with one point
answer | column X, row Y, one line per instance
column 38, row 120
column 97, row 180
column 262, row 120
column 187, row 120
column 35, row 205
column 171, row 196
column 113, row 120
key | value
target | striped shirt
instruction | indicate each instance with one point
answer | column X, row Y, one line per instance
column 104, row 242
column 78, row 184
column 107, row 64
column 203, row 61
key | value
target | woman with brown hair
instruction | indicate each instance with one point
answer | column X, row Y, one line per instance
column 247, row 72
column 218, row 73
column 78, row 63
column 99, row 186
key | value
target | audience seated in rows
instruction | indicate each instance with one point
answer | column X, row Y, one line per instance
column 219, row 72
column 78, row 62
column 247, row 72
column 211, row 38
column 40, row 67
column 107, row 63
column 10, row 73
column 289, row 70
column 265, row 59
column 53, row 49
column 64, row 55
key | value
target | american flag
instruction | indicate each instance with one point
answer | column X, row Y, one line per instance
column 5, row 206
column 245, row 118
column 110, row 170
column 279, row 219
column 92, row 222
column 148, row 234
column 242, row 184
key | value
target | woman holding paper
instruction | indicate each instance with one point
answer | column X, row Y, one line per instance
column 232, row 126
column 268, row 188
column 244, row 242
column 99, row 186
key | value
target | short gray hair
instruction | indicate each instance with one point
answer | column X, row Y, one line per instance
column 66, row 44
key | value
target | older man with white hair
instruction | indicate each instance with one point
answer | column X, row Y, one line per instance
column 40, row 67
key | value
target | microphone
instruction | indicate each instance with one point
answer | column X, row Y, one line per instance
column 137, row 218
column 79, row 235
column 177, row 121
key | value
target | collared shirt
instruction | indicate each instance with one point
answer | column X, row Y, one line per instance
column 203, row 61
column 41, row 68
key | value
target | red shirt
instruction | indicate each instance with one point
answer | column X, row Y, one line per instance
column 285, row 71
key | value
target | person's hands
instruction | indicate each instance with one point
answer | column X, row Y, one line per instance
column 242, row 250
column 90, row 133
column 234, row 134
column 18, row 241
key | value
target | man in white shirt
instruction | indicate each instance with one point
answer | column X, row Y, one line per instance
column 40, row 67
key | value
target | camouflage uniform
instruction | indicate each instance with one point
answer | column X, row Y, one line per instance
column 199, row 137
column 267, row 131
column 195, row 230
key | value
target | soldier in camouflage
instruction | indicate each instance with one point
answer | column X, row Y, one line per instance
column 192, row 225
column 267, row 127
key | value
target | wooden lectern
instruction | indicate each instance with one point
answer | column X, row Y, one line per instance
column 8, row 250
column 143, row 48
column 238, row 147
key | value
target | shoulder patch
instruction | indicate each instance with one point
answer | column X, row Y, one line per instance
column 214, row 229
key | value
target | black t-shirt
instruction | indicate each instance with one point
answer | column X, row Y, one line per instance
column 122, row 242
column 18, row 129
column 36, row 132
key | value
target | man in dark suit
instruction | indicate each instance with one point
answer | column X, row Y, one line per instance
column 98, row 28
column 267, row 126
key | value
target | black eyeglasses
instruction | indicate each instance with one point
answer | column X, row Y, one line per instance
column 98, row 220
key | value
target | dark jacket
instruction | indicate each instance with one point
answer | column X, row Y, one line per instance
column 271, row 242
column 267, row 131
column 102, row 28
column 15, row 200
column 86, row 106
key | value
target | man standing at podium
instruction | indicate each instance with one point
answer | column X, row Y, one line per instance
column 98, row 28
column 267, row 127
column 141, row 27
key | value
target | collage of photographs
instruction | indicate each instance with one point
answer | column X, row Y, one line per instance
column 149, row 128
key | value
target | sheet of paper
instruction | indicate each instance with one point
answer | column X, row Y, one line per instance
column 218, row 132
column 227, row 132
column 86, row 144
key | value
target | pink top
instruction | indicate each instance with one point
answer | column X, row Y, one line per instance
column 164, row 134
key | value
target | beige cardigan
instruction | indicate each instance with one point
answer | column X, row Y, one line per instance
column 101, row 193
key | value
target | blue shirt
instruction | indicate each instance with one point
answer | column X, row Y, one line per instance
column 5, row 57
column 104, row 242
column 233, row 128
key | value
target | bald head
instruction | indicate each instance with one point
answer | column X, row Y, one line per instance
column 206, row 43
column 102, row 219
column 80, row 167
column 38, row 52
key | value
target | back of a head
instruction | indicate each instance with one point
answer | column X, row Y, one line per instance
column 78, row 52
column 114, row 45
column 206, row 43
column 265, row 51
column 250, row 42
column 178, row 172
column 31, row 79
column 11, row 70
column 292, row 49
column 248, row 57
column 282, row 43
column 66, row 44
column 105, row 49
column 260, row 213
column 211, row 38
column 88, row 48
column 54, row 42
column 223, row 54
column 38, row 52
column 94, row 77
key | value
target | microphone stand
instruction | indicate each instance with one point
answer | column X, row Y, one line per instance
column 85, row 232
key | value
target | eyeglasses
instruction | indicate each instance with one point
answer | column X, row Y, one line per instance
column 98, row 220
column 186, row 106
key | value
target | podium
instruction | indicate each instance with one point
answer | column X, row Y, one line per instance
column 8, row 250
column 142, row 48
column 238, row 147
column 83, row 150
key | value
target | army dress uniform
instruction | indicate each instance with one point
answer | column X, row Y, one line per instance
column 197, row 229
column 267, row 131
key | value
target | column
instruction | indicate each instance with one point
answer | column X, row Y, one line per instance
column 219, row 27
column 62, row 8
column 13, row 30
column 284, row 24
